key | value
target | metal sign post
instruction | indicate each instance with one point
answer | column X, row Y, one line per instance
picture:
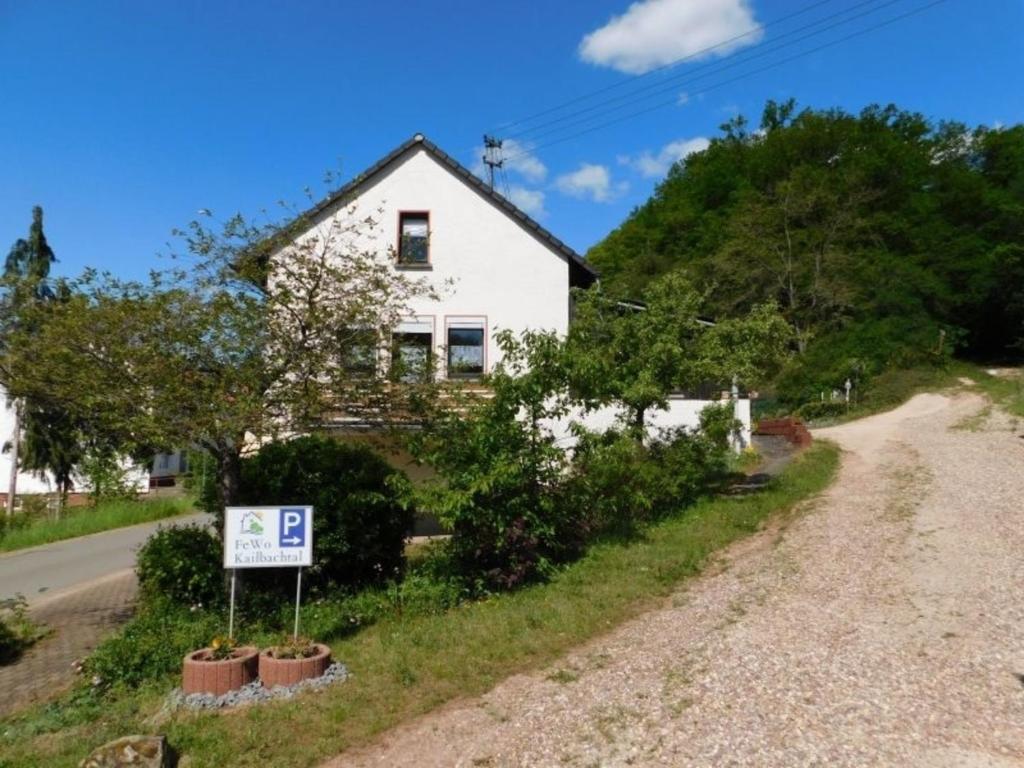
column 298, row 593
column 268, row 537
column 231, row 612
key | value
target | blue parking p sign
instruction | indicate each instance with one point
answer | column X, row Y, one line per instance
column 292, row 528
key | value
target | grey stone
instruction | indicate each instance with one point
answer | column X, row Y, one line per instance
column 135, row 751
column 254, row 692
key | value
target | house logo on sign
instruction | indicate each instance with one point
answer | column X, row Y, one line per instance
column 251, row 523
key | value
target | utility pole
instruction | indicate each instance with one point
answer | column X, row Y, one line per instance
column 492, row 157
column 12, row 485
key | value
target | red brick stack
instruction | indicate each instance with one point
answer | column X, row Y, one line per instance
column 791, row 428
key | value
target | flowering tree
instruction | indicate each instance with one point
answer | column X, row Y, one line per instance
column 250, row 335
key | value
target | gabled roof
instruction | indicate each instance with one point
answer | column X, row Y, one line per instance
column 581, row 273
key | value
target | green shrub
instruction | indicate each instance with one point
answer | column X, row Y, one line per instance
column 182, row 564
column 861, row 352
column 501, row 477
column 361, row 519
column 109, row 477
column 15, row 522
column 621, row 484
column 152, row 644
column 17, row 630
column 824, row 409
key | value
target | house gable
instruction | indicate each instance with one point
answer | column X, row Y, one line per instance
column 581, row 274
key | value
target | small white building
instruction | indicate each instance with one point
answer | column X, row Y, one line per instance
column 27, row 482
column 32, row 483
column 492, row 266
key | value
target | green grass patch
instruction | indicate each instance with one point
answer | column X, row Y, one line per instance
column 894, row 387
column 407, row 663
column 1006, row 391
column 80, row 521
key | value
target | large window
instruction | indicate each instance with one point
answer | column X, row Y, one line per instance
column 411, row 355
column 359, row 352
column 414, row 239
column 465, row 352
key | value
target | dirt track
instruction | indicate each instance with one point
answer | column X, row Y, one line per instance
column 883, row 627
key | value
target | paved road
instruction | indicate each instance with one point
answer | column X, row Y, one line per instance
column 81, row 590
column 41, row 572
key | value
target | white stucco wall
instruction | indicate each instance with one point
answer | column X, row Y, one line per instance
column 484, row 266
column 27, row 483
column 681, row 412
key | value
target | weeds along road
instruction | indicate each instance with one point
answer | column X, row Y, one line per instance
column 881, row 625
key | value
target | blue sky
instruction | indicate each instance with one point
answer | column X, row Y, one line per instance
column 124, row 118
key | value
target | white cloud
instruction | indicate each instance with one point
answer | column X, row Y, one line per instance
column 590, row 181
column 684, row 98
column 519, row 159
column 530, row 201
column 657, row 165
column 655, row 32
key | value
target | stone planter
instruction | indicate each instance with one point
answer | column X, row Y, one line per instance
column 290, row 671
column 201, row 674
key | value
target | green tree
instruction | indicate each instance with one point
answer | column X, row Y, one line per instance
column 873, row 232
column 634, row 355
column 245, row 342
column 46, row 439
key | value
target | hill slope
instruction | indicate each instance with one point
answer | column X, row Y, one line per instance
column 887, row 240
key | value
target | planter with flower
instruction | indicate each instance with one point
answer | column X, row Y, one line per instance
column 222, row 667
column 292, row 661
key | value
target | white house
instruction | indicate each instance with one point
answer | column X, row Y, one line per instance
column 27, row 482
column 493, row 267
column 31, row 483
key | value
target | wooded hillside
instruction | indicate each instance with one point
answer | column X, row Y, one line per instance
column 885, row 238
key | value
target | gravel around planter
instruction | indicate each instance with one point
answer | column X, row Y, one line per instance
column 255, row 692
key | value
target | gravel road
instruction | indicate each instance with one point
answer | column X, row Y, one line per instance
column 884, row 626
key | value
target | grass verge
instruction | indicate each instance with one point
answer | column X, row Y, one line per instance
column 80, row 521
column 894, row 387
column 405, row 665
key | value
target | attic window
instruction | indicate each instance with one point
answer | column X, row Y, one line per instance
column 414, row 238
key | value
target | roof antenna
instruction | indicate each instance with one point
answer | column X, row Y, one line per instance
column 492, row 157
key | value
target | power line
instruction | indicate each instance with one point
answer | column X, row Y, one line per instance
column 742, row 76
column 683, row 79
column 669, row 65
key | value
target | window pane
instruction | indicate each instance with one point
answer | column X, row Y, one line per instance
column 359, row 351
column 410, row 357
column 465, row 352
column 414, row 241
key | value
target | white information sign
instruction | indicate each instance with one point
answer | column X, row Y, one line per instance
column 268, row 537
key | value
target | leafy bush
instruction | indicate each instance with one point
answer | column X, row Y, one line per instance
column 862, row 352
column 151, row 645
column 620, row 483
column 201, row 481
column 15, row 522
column 362, row 511
column 824, row 409
column 17, row 630
column 109, row 477
column 183, row 565
column 501, row 475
